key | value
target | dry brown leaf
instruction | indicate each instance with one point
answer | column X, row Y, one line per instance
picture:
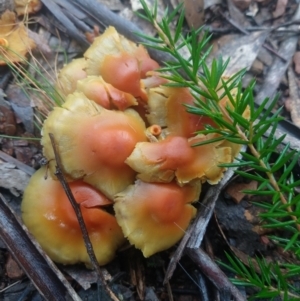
column 194, row 13
column 13, row 179
column 280, row 8
column 297, row 62
column 41, row 43
column 242, row 50
column 14, row 40
column 257, row 67
column 242, row 4
column 12, row 268
column 294, row 100
column 235, row 190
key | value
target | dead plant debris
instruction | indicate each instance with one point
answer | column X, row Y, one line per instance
column 259, row 35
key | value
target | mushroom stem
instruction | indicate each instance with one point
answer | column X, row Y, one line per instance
column 153, row 132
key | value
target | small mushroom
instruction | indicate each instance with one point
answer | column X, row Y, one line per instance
column 94, row 142
column 154, row 216
column 112, row 43
column 120, row 62
column 124, row 72
column 153, row 133
column 175, row 156
column 50, row 217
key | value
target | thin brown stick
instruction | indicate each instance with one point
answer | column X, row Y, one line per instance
column 266, row 46
column 214, row 273
column 77, row 209
column 195, row 233
column 234, row 24
column 44, row 275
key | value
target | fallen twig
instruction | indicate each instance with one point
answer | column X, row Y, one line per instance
column 76, row 207
column 202, row 284
column 20, row 165
column 60, row 16
column 214, row 273
column 194, row 234
column 39, row 268
column 234, row 24
column 104, row 17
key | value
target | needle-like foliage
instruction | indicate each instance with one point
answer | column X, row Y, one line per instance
column 240, row 121
column 269, row 280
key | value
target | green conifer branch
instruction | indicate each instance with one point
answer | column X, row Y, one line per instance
column 209, row 86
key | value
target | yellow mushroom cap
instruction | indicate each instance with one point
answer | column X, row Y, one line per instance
column 175, row 156
column 154, row 216
column 93, row 142
column 51, row 219
column 110, row 42
column 69, row 75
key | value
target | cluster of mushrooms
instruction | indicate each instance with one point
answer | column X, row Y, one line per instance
column 126, row 146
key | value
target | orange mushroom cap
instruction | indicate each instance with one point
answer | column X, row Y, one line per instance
column 163, row 160
column 104, row 94
column 154, row 216
column 122, row 71
column 93, row 142
column 112, row 43
column 166, row 108
column 146, row 63
column 51, row 219
column 120, row 62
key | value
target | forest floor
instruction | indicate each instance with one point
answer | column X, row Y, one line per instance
column 261, row 36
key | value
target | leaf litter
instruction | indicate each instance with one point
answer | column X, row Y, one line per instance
column 245, row 50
